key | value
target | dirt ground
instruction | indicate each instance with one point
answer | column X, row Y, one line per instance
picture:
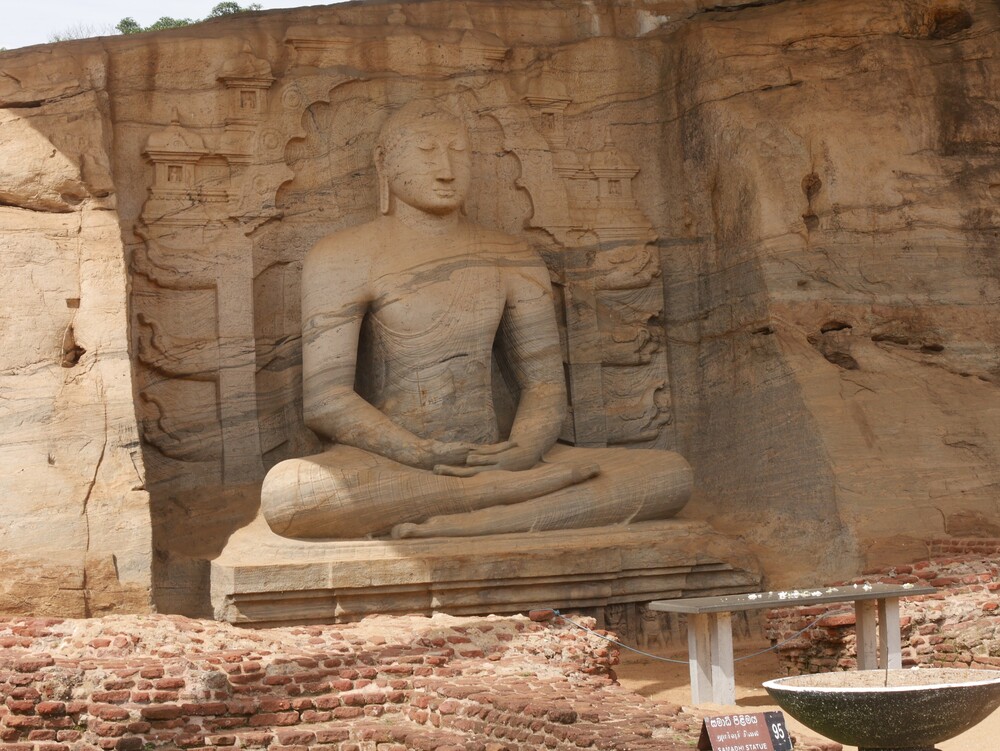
column 666, row 681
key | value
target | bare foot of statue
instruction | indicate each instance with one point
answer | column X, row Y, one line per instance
column 409, row 310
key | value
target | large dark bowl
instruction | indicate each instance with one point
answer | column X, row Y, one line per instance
column 877, row 710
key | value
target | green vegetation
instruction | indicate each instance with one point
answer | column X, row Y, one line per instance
column 129, row 25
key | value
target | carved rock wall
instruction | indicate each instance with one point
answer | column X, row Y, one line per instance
column 770, row 227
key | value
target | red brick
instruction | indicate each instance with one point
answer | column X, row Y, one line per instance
column 161, row 712
column 50, row 708
column 169, row 683
column 295, row 737
column 23, row 721
column 202, row 710
column 332, row 735
column 240, row 707
column 115, row 685
column 275, row 718
column 110, row 697
column 109, row 711
column 33, row 663
column 242, row 680
column 311, row 716
column 107, row 729
column 256, row 740
column 348, row 713
column 269, row 704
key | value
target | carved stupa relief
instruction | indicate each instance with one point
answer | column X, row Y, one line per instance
column 613, row 293
column 196, row 384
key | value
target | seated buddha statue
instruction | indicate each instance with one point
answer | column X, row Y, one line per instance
column 400, row 319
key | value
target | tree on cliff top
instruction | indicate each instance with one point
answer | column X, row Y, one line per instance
column 129, row 25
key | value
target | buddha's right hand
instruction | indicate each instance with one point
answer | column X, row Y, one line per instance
column 455, row 453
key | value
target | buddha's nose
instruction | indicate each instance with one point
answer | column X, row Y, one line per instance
column 443, row 170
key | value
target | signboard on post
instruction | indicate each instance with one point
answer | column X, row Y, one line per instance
column 762, row 731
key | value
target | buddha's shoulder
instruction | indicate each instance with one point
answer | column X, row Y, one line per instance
column 500, row 242
column 350, row 246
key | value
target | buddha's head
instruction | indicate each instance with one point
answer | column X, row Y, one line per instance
column 422, row 159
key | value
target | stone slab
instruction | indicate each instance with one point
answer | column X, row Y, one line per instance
column 263, row 579
column 789, row 598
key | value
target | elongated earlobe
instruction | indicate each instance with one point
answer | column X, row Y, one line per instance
column 383, row 182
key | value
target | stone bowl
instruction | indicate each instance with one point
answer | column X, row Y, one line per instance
column 877, row 710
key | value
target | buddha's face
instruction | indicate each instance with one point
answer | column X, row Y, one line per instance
column 427, row 164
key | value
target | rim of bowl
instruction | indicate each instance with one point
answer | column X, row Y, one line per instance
column 778, row 684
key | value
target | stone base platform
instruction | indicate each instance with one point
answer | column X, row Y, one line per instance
column 263, row 579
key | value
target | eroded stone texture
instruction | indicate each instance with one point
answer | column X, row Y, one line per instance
column 844, row 297
column 769, row 228
column 74, row 523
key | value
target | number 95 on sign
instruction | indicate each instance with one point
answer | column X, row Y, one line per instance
column 762, row 731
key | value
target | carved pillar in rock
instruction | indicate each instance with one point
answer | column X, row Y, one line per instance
column 617, row 368
column 198, row 384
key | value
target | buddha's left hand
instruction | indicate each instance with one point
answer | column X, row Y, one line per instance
column 507, row 456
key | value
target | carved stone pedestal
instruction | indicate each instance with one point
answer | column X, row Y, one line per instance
column 266, row 580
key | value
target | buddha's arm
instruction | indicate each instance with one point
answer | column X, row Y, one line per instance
column 531, row 337
column 335, row 298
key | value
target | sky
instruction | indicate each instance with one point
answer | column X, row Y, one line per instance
column 26, row 22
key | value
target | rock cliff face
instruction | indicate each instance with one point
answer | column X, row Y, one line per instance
column 771, row 225
column 74, row 523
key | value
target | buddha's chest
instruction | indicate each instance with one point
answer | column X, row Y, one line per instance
column 454, row 304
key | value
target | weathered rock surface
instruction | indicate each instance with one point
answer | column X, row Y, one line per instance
column 74, row 522
column 771, row 226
